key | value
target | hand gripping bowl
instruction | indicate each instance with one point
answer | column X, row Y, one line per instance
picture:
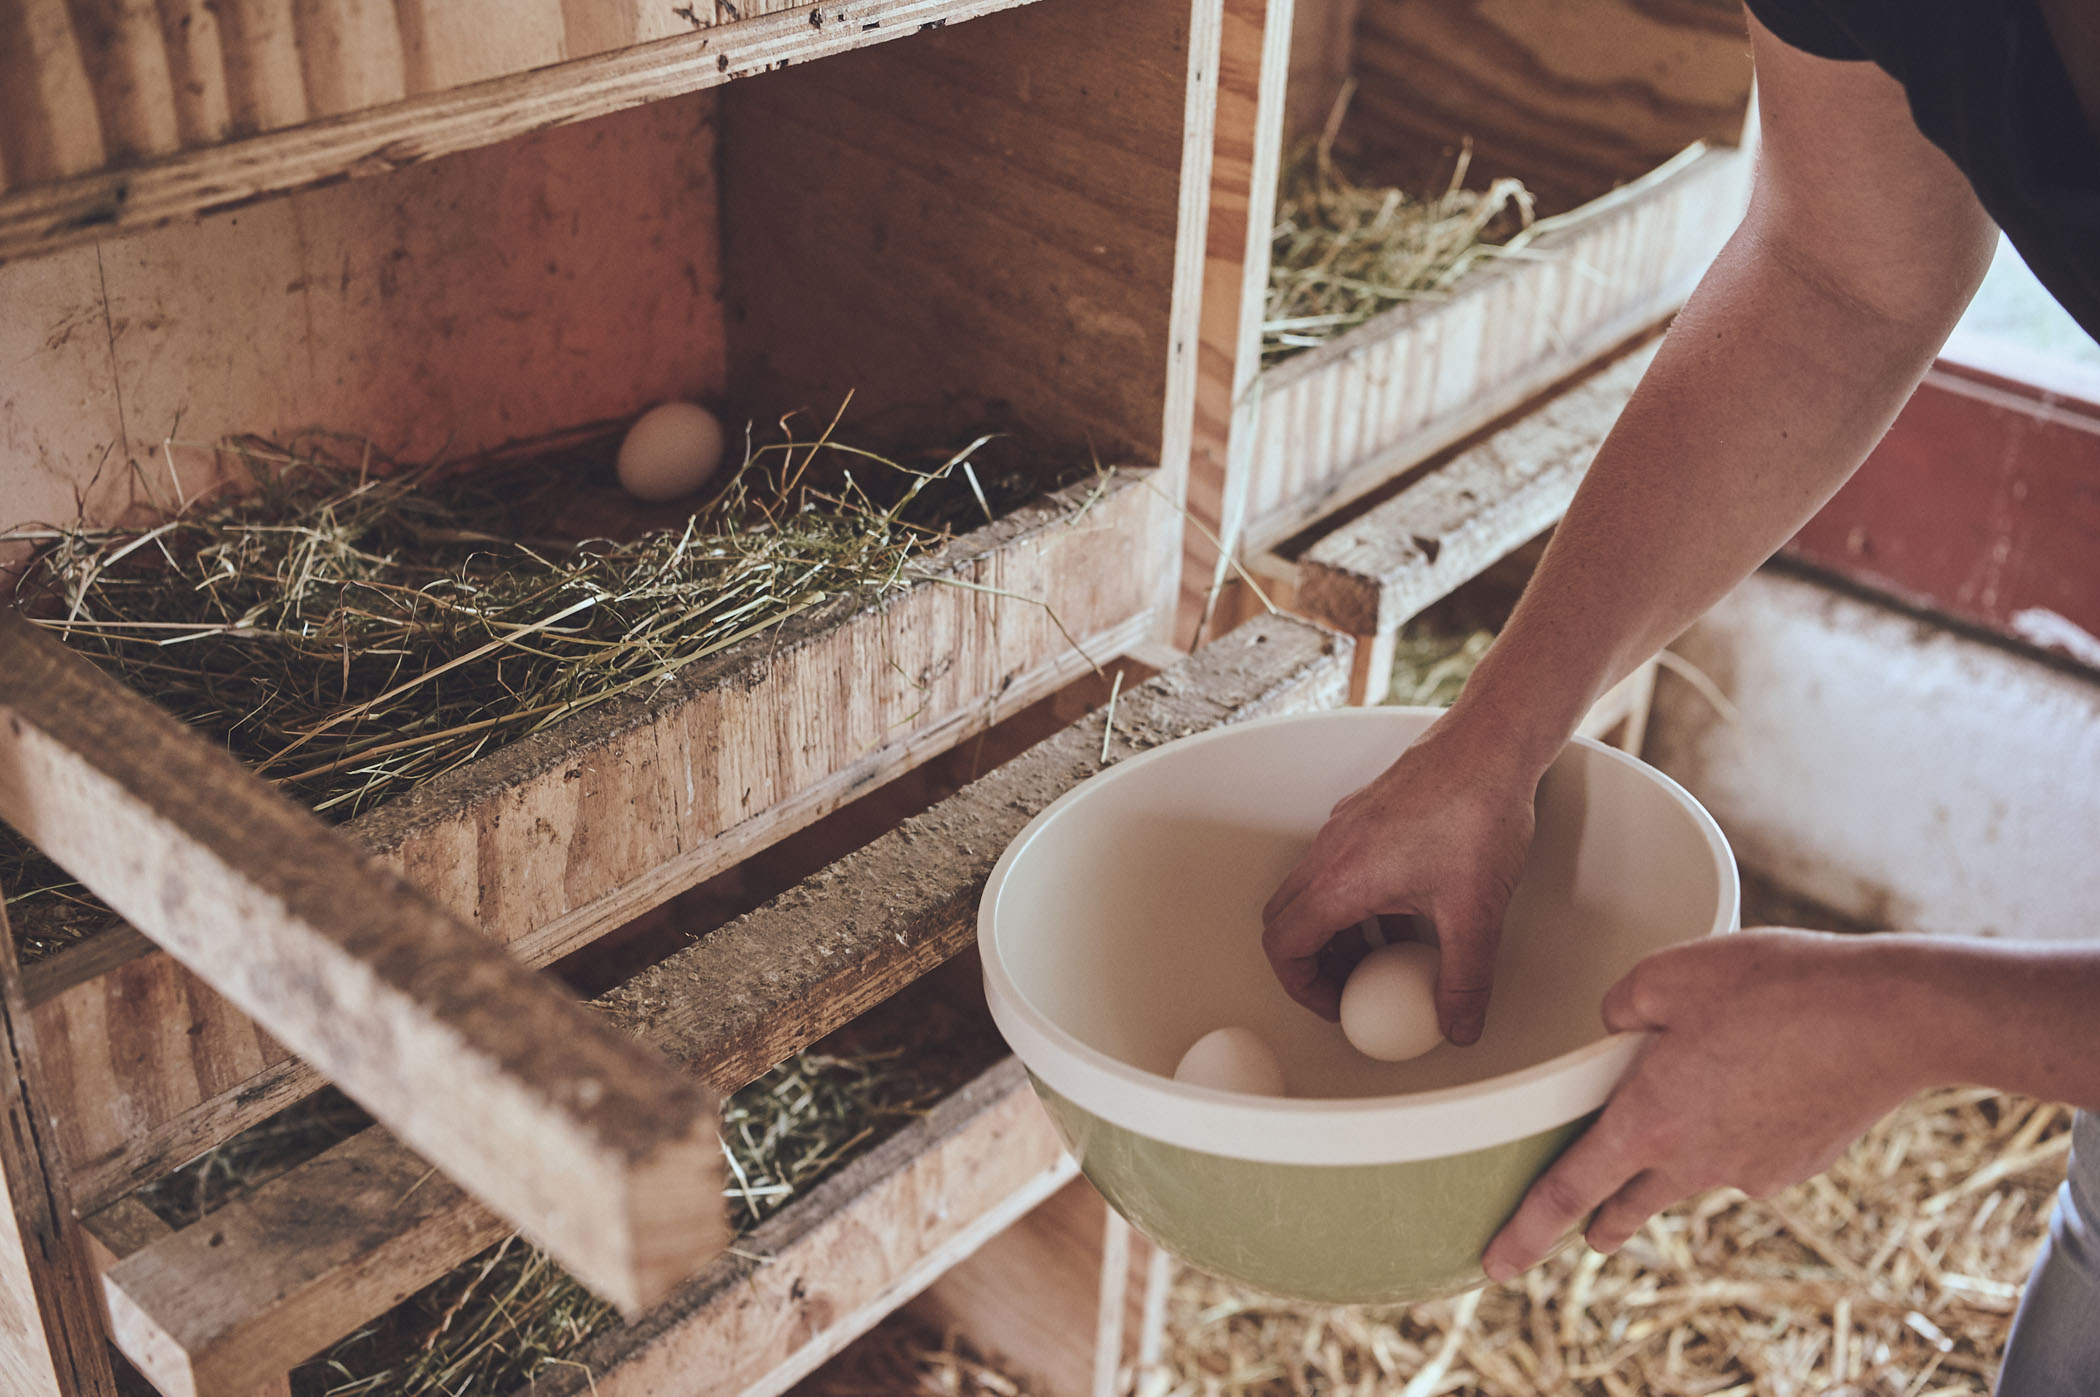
column 1125, row 922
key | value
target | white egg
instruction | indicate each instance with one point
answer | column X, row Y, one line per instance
column 1232, row 1059
column 671, row 450
column 1389, row 1003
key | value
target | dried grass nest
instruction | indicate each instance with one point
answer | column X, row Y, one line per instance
column 351, row 626
column 1342, row 252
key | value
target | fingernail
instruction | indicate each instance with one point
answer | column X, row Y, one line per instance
column 1498, row 1271
column 1466, row 1031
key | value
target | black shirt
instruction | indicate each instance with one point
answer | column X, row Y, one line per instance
column 1986, row 86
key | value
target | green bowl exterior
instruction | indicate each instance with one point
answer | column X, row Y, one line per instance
column 1346, row 1234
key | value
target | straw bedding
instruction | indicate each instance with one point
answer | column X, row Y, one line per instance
column 1342, row 252
column 350, row 627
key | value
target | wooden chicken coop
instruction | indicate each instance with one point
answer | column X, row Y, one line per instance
column 483, row 233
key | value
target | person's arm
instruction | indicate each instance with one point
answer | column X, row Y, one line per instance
column 1861, row 246
column 1773, row 1050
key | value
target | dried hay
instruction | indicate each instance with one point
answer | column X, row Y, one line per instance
column 495, row 1323
column 350, row 626
column 1894, row 1274
column 1342, row 252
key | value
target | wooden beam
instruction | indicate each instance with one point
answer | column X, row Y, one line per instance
column 52, row 1339
column 825, row 1269
column 594, row 1147
column 1385, row 565
column 69, row 203
column 571, row 832
column 206, row 1314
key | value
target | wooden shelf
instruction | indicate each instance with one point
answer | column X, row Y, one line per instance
column 773, row 735
column 772, row 247
column 1332, row 423
column 1373, row 573
column 1622, row 135
column 240, row 1296
column 148, row 130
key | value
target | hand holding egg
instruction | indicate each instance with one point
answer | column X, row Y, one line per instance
column 1389, row 1002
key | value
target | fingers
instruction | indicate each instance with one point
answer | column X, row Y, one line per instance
column 1644, row 1195
column 1465, row 975
column 1293, row 941
column 1593, row 1169
column 1629, row 1006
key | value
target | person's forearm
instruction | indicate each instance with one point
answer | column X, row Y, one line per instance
column 1768, row 392
column 2016, row 1016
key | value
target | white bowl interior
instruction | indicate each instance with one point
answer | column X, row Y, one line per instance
column 1132, row 918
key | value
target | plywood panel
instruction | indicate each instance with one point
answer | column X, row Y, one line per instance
column 512, row 292
column 1570, row 98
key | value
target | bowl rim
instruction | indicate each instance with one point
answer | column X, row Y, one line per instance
column 1321, row 1131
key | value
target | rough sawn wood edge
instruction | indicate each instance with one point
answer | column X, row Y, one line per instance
column 593, row 1147
column 1379, row 569
column 725, row 1009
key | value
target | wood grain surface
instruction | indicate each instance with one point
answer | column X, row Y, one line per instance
column 1461, row 516
column 117, row 115
column 1572, row 99
column 1335, row 422
column 565, row 835
column 53, row 1339
column 319, row 1250
column 591, row 1145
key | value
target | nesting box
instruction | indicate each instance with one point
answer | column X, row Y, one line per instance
column 230, row 221
column 1621, row 119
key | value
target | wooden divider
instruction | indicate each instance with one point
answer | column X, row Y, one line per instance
column 572, row 831
column 223, row 1305
column 595, row 1148
column 1374, row 572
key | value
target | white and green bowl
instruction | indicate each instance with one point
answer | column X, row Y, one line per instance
column 1125, row 922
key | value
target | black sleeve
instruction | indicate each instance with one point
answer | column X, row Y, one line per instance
column 1807, row 25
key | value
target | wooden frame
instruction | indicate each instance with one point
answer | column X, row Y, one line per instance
column 1373, row 573
column 1646, row 98
column 206, row 1308
column 774, row 734
column 202, row 108
column 844, row 267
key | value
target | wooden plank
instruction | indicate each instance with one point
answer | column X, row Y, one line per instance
column 1335, row 422
column 1253, row 65
column 1570, row 99
column 197, row 1312
column 1979, row 504
column 961, row 211
column 572, row 832
column 128, row 1226
column 1057, row 1299
column 508, row 295
column 825, row 1269
column 594, row 1147
column 1382, row 567
column 52, row 1339
column 65, row 206
column 41, row 67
